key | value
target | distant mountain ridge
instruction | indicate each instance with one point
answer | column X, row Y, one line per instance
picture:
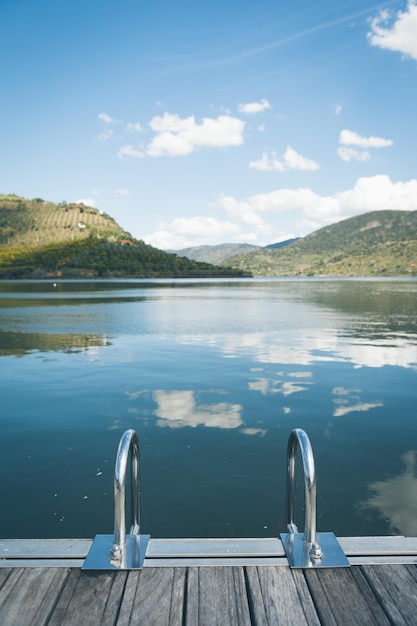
column 378, row 243
column 216, row 253
column 221, row 252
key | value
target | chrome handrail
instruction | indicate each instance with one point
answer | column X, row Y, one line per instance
column 122, row 551
column 311, row 549
column 128, row 443
column 298, row 438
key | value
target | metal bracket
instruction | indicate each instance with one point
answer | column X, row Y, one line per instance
column 99, row 555
column 301, row 554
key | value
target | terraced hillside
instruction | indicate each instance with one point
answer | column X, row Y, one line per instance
column 41, row 239
column 36, row 222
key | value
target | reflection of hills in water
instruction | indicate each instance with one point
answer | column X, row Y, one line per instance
column 361, row 297
column 379, row 307
column 19, row 344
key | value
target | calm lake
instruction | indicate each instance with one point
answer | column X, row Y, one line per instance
column 213, row 375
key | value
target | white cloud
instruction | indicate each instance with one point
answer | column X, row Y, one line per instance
column 245, row 212
column 378, row 193
column 180, row 136
column 122, row 192
column 350, row 154
column 107, row 119
column 130, row 151
column 283, row 200
column 291, row 160
column 134, row 127
column 184, row 232
column 254, row 107
column 338, row 109
column 268, row 163
column 295, row 161
column 176, row 136
column 350, row 138
column 368, row 194
column 400, row 34
column 105, row 135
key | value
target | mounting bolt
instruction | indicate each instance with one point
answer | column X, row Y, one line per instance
column 116, row 552
column 315, row 552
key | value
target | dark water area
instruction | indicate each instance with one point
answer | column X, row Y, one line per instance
column 213, row 375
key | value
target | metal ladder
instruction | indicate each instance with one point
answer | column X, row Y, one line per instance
column 121, row 550
column 308, row 549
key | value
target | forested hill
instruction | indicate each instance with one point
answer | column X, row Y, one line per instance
column 41, row 239
column 379, row 243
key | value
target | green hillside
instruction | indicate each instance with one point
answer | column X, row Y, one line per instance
column 36, row 222
column 379, row 243
column 40, row 239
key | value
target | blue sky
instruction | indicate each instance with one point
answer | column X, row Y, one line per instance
column 209, row 122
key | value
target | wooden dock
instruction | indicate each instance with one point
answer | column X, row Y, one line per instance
column 379, row 588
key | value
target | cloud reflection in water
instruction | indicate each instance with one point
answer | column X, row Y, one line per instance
column 179, row 408
column 396, row 498
column 349, row 401
column 308, row 347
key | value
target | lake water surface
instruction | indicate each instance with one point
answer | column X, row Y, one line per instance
column 213, row 375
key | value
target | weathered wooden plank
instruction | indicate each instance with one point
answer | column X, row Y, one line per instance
column 255, row 598
column 128, row 599
column 242, row 601
column 217, row 596
column 191, row 597
column 30, row 596
column 114, row 599
column 9, row 583
column 47, row 605
column 396, row 590
column 305, row 598
column 65, row 598
column 88, row 601
column 274, row 598
column 178, row 596
column 412, row 570
column 343, row 596
column 159, row 598
column 4, row 575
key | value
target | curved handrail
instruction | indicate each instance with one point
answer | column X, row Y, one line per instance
column 298, row 438
column 128, row 442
